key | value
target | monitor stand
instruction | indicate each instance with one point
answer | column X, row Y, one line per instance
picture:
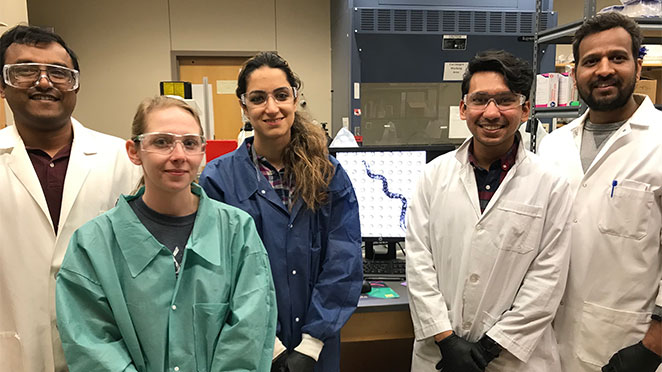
column 370, row 250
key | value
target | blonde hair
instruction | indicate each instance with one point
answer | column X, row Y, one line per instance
column 149, row 105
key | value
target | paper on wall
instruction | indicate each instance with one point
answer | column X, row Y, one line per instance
column 457, row 128
column 454, row 71
column 226, row 86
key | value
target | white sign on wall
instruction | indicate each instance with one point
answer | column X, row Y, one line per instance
column 453, row 71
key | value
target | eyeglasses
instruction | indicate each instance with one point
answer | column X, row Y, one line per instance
column 26, row 75
column 164, row 143
column 503, row 101
column 258, row 98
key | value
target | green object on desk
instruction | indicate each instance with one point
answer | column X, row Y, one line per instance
column 381, row 290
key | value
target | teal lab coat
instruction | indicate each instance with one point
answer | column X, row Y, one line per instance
column 120, row 306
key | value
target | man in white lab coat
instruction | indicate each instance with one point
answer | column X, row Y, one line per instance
column 55, row 175
column 609, row 319
column 487, row 244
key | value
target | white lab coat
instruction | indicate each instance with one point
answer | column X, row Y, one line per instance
column 501, row 272
column 616, row 261
column 30, row 252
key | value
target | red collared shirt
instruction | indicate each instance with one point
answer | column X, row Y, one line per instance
column 488, row 181
column 51, row 173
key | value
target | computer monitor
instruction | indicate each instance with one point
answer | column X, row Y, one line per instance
column 384, row 180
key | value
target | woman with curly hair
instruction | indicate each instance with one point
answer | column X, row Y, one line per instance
column 305, row 210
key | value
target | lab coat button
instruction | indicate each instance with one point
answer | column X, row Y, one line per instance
column 466, row 325
column 487, row 187
column 575, row 221
column 479, row 227
column 294, row 272
column 296, row 319
column 51, row 165
column 474, row 278
column 174, row 307
column 584, row 185
column 263, row 191
column 290, row 226
column 176, row 368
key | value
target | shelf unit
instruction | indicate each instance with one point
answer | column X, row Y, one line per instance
column 650, row 27
column 559, row 112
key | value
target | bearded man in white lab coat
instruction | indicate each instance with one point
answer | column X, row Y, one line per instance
column 55, row 175
column 487, row 243
column 609, row 319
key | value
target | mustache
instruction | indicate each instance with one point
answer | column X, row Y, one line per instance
column 493, row 122
column 609, row 80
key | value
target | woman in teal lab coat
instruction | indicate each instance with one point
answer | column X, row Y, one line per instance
column 168, row 280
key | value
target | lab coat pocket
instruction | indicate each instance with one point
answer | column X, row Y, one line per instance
column 627, row 211
column 603, row 331
column 208, row 321
column 488, row 321
column 518, row 226
column 10, row 352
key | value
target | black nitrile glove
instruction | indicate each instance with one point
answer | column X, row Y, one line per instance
column 280, row 363
column 298, row 362
column 459, row 355
column 635, row 358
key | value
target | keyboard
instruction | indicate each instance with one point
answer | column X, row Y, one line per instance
column 385, row 270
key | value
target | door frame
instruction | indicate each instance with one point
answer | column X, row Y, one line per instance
column 175, row 54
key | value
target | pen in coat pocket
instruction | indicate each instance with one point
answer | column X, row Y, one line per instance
column 613, row 185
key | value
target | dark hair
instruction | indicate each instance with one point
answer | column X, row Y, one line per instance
column 603, row 22
column 32, row 35
column 306, row 157
column 268, row 59
column 516, row 72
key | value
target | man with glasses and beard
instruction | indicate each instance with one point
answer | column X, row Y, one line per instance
column 55, row 175
column 609, row 318
column 487, row 244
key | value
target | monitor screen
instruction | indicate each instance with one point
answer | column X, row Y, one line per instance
column 384, row 182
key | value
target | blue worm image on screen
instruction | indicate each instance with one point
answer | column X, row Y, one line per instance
column 388, row 193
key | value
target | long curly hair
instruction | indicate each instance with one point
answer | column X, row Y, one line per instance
column 306, row 157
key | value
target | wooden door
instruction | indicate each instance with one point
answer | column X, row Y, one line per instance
column 221, row 73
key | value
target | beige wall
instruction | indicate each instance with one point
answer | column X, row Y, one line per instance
column 124, row 46
column 12, row 13
column 123, row 49
column 308, row 52
column 573, row 10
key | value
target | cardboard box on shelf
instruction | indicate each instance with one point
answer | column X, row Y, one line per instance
column 648, row 87
column 547, row 90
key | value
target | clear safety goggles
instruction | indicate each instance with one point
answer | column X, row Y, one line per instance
column 164, row 143
column 26, row 75
column 258, row 98
column 503, row 101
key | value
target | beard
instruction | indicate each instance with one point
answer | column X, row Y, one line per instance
column 625, row 90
